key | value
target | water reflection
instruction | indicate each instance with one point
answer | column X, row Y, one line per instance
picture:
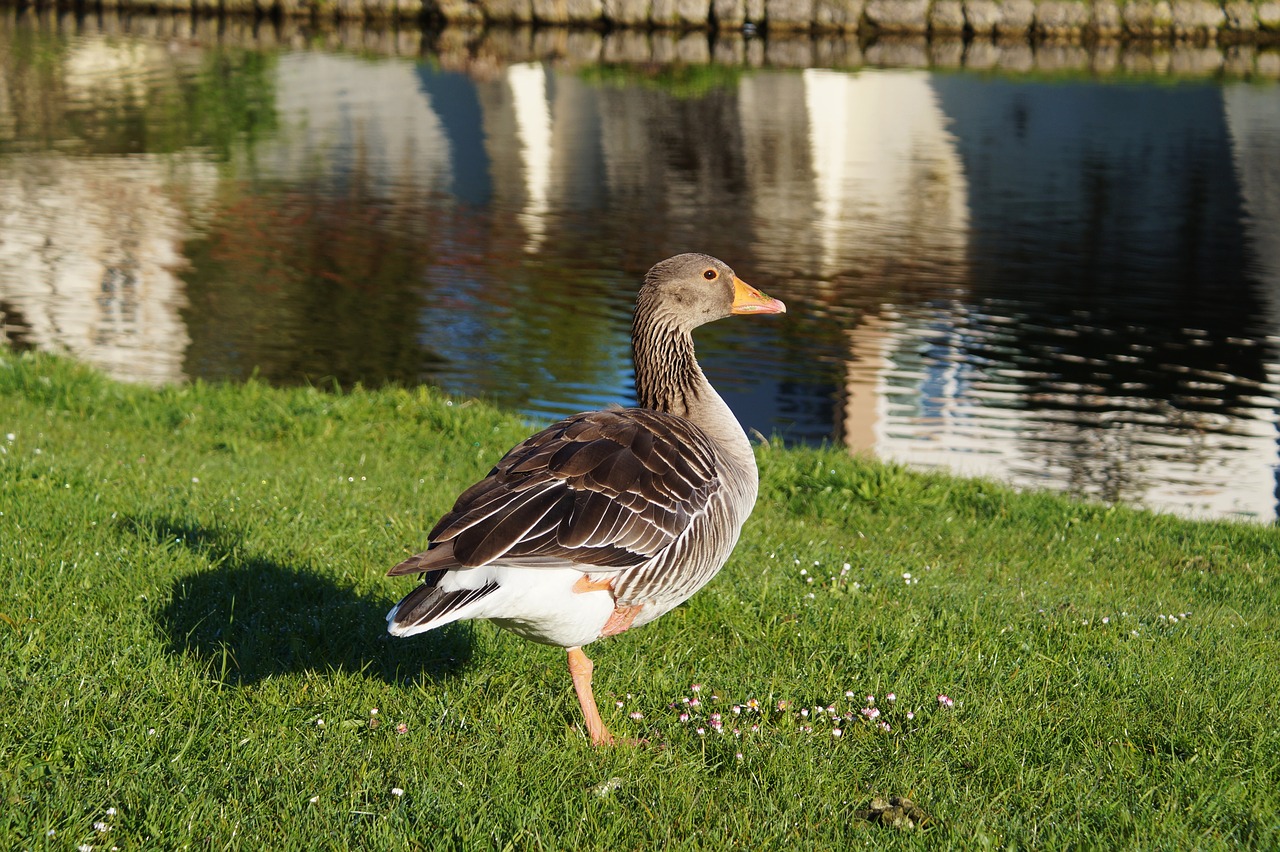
column 1112, row 340
column 1072, row 285
column 90, row 256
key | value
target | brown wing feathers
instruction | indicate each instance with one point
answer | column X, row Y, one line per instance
column 607, row 489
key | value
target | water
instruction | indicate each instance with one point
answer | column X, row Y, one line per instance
column 1068, row 283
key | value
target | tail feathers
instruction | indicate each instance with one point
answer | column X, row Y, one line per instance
column 428, row 607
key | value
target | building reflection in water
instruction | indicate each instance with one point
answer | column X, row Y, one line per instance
column 1046, row 284
column 91, row 248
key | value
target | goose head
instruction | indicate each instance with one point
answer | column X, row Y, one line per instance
column 692, row 289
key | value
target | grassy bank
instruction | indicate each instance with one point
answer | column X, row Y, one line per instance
column 191, row 628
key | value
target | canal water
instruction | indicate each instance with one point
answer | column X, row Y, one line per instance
column 1068, row 282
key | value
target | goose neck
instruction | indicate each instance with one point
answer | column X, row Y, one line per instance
column 669, row 379
column 667, row 374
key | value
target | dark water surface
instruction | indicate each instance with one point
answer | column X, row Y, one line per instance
column 1062, row 283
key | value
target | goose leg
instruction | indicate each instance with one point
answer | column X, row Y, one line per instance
column 580, row 668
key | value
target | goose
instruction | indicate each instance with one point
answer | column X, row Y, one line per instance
column 607, row 519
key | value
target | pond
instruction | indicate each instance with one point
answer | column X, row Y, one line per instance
column 1065, row 281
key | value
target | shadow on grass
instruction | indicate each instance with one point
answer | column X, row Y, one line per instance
column 248, row 618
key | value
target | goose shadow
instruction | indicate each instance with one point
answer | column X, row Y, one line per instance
column 246, row 618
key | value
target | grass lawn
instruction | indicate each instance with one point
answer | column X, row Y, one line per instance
column 192, row 649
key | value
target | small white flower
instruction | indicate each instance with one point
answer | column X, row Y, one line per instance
column 396, row 791
column 101, row 827
column 835, row 732
column 111, row 811
column 314, row 799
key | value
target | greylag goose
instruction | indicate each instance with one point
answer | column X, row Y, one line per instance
column 607, row 519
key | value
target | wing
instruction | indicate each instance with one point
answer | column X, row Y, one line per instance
column 604, row 489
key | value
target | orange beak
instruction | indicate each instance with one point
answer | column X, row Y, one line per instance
column 749, row 300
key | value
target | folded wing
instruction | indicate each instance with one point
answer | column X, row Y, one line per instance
column 602, row 490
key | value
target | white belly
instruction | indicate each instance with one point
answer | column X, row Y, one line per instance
column 540, row 604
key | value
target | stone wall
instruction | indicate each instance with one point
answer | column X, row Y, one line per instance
column 1065, row 20
column 482, row 50
column 1059, row 19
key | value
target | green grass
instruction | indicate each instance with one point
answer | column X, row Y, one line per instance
column 193, row 577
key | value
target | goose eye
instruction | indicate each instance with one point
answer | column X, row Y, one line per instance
column 711, row 275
